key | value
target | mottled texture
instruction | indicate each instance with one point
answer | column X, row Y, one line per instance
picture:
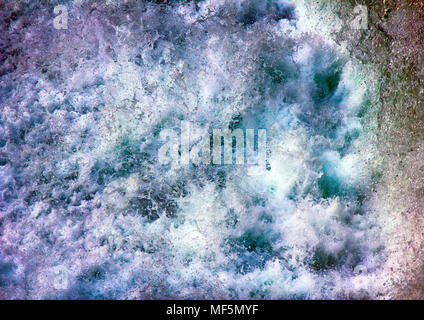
column 87, row 211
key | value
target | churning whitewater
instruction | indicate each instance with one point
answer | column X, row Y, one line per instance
column 94, row 214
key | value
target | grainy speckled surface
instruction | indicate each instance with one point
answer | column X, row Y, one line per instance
column 87, row 211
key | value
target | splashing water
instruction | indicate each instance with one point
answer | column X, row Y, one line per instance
column 88, row 211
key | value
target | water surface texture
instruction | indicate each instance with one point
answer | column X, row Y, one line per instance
column 87, row 210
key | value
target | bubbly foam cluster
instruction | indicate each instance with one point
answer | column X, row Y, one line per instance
column 88, row 211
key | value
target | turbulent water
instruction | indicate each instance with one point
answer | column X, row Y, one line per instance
column 88, row 211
